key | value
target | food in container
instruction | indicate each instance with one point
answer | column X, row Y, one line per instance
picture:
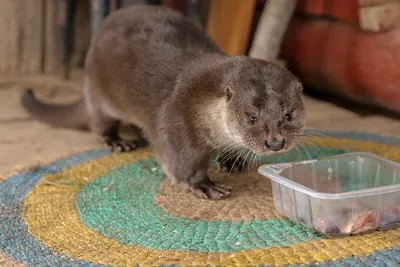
column 341, row 195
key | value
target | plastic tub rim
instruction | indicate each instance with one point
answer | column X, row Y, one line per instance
column 338, row 196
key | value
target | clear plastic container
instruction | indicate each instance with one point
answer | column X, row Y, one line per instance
column 338, row 196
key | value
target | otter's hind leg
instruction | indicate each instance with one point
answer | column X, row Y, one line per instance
column 108, row 129
column 102, row 124
column 115, row 142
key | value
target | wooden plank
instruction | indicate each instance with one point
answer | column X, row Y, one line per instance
column 9, row 33
column 379, row 18
column 52, row 61
column 229, row 24
column 66, row 19
column 22, row 36
column 31, row 35
column 82, row 33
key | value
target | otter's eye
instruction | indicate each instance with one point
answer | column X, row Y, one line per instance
column 252, row 119
column 288, row 117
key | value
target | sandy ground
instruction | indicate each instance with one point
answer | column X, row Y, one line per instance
column 24, row 141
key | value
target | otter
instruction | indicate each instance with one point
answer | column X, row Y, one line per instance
column 153, row 68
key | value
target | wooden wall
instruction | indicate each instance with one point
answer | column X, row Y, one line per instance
column 30, row 41
column 29, row 33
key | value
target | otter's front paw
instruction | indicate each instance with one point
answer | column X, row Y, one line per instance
column 230, row 164
column 120, row 145
column 210, row 190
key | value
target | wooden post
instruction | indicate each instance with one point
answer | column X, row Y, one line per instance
column 229, row 24
column 271, row 28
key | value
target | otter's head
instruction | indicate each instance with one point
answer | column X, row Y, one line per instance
column 265, row 110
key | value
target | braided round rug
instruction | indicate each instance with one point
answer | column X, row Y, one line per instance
column 101, row 209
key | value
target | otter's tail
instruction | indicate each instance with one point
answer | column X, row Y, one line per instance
column 73, row 116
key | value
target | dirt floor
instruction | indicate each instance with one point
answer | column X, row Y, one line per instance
column 24, row 141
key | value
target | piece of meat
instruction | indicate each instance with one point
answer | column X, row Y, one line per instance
column 364, row 223
column 361, row 224
column 328, row 228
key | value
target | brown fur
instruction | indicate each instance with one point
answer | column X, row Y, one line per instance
column 153, row 68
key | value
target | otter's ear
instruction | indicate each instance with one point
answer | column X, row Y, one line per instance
column 228, row 92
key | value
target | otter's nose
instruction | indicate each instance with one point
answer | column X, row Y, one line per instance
column 274, row 145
